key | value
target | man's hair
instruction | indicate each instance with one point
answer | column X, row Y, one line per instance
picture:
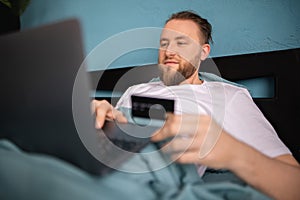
column 204, row 26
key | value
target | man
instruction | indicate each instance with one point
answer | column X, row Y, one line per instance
column 215, row 124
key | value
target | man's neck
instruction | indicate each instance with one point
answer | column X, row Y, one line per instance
column 194, row 79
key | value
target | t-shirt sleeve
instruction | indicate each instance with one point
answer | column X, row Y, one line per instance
column 245, row 121
column 124, row 101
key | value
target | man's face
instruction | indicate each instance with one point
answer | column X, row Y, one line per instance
column 180, row 51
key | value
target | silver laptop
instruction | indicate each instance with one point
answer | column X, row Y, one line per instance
column 45, row 100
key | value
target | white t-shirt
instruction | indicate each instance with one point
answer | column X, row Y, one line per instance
column 231, row 106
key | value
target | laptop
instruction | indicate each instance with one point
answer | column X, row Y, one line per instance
column 45, row 101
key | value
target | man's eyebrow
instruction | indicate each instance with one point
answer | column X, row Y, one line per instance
column 164, row 39
column 176, row 38
column 181, row 37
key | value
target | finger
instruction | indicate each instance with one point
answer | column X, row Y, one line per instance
column 189, row 124
column 182, row 143
column 94, row 104
column 186, row 157
column 100, row 119
column 109, row 113
column 178, row 144
column 120, row 117
column 213, row 132
column 178, row 125
column 169, row 129
column 103, row 112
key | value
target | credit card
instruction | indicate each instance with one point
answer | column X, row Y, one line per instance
column 151, row 108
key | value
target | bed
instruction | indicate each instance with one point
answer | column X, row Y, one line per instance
column 35, row 176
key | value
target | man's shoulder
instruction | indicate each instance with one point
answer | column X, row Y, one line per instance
column 227, row 87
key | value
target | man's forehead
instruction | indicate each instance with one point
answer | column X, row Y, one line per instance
column 180, row 28
column 171, row 35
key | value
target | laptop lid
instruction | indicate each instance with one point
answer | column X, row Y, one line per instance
column 45, row 105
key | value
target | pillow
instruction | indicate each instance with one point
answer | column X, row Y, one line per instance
column 207, row 76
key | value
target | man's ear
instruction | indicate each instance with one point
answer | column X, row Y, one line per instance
column 205, row 51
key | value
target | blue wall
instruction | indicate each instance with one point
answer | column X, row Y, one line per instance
column 239, row 26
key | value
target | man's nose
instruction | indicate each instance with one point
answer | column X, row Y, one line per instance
column 170, row 53
column 171, row 50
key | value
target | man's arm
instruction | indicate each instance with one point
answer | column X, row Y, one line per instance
column 277, row 177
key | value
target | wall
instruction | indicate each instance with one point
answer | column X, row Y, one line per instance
column 239, row 26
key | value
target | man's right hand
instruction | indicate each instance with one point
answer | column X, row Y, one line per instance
column 103, row 110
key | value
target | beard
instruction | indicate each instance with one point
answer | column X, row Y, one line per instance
column 170, row 76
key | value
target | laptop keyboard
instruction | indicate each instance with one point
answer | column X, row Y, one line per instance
column 132, row 146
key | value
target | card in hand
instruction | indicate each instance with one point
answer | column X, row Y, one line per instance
column 151, row 108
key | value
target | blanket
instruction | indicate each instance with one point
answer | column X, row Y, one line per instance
column 25, row 175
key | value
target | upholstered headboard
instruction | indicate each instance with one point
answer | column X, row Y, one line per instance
column 282, row 108
column 275, row 72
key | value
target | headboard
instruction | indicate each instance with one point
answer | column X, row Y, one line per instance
column 281, row 109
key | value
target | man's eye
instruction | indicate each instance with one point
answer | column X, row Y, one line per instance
column 181, row 43
column 163, row 44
